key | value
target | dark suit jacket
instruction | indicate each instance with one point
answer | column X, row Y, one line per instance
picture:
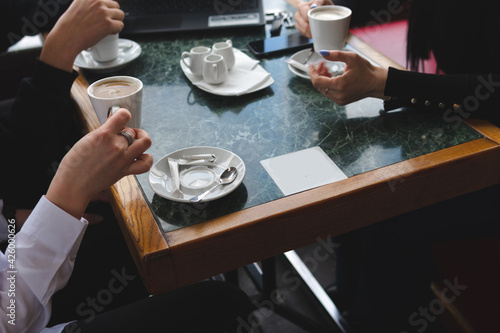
column 35, row 133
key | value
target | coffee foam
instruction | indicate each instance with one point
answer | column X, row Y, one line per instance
column 114, row 89
column 330, row 14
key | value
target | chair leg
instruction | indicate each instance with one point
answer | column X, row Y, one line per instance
column 265, row 280
column 318, row 291
column 269, row 276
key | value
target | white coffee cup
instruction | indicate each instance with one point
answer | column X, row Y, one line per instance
column 109, row 94
column 196, row 57
column 225, row 49
column 214, row 69
column 329, row 27
column 106, row 49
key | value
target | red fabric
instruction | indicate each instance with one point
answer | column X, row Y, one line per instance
column 390, row 39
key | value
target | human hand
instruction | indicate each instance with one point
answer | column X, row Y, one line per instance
column 360, row 78
column 81, row 26
column 301, row 19
column 97, row 161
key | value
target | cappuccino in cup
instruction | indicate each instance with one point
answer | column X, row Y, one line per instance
column 113, row 89
column 109, row 94
column 329, row 27
column 328, row 15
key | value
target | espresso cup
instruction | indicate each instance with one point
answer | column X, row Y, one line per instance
column 329, row 27
column 111, row 93
column 196, row 57
column 225, row 49
column 214, row 69
column 106, row 49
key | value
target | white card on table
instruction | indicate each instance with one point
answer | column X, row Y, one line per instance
column 302, row 170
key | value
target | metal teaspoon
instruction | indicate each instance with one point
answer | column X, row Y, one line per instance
column 227, row 177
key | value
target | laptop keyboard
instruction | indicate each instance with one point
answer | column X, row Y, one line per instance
column 162, row 7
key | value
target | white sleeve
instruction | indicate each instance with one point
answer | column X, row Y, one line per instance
column 38, row 262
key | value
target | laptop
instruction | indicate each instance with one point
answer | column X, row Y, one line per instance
column 150, row 16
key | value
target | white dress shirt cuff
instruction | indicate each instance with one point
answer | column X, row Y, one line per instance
column 52, row 226
column 52, row 238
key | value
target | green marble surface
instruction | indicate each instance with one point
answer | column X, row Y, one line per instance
column 288, row 116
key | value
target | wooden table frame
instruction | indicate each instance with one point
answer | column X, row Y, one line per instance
column 168, row 261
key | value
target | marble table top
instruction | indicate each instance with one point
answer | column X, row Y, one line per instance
column 288, row 116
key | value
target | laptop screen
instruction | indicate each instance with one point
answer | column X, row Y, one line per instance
column 143, row 16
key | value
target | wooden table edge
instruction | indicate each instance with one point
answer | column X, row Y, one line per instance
column 383, row 188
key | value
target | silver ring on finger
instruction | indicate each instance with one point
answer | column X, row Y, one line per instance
column 127, row 136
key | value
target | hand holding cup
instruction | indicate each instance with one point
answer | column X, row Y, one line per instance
column 81, row 26
column 97, row 161
column 301, row 18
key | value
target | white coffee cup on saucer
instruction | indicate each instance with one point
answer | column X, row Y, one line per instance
column 106, row 49
column 329, row 27
column 214, row 69
column 225, row 49
column 109, row 94
column 196, row 58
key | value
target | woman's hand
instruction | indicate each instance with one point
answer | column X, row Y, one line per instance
column 97, row 161
column 81, row 26
column 360, row 78
column 301, row 19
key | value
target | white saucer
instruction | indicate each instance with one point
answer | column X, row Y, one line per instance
column 128, row 51
column 221, row 89
column 160, row 178
column 336, row 67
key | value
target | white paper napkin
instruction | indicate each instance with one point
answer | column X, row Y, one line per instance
column 174, row 174
column 243, row 61
column 239, row 81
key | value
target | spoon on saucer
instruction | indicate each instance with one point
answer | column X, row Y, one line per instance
column 227, row 177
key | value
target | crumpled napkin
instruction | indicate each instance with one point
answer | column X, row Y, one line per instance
column 245, row 76
column 174, row 174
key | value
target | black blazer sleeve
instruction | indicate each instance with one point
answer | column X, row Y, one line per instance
column 35, row 133
column 465, row 96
